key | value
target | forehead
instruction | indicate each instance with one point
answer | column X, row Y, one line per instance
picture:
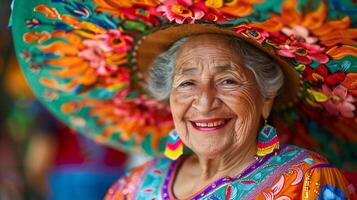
column 202, row 44
column 207, row 51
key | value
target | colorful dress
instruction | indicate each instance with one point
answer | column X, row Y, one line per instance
column 294, row 173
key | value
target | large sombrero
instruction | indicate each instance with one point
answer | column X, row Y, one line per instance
column 87, row 60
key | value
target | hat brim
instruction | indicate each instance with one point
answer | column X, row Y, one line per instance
column 80, row 59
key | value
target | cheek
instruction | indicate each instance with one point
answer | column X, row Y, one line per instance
column 245, row 105
column 180, row 105
column 243, row 102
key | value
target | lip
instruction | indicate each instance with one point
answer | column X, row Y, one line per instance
column 193, row 123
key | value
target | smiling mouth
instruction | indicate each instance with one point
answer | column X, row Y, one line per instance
column 210, row 124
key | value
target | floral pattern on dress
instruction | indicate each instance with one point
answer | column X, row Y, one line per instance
column 294, row 173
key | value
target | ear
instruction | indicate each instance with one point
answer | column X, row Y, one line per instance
column 267, row 106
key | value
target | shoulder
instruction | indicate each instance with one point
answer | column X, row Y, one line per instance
column 302, row 156
column 311, row 164
column 291, row 157
column 307, row 175
column 129, row 184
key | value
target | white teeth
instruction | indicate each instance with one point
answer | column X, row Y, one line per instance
column 210, row 124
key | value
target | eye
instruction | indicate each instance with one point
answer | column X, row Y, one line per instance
column 229, row 82
column 186, row 84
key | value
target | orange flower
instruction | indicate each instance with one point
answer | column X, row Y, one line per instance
column 329, row 33
column 129, row 117
column 350, row 83
column 74, row 62
column 88, row 53
column 125, row 8
column 236, row 8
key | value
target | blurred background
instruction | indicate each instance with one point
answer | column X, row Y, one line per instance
column 40, row 158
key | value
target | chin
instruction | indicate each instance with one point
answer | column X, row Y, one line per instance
column 209, row 149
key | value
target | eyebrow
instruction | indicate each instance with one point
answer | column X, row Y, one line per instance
column 222, row 68
column 194, row 70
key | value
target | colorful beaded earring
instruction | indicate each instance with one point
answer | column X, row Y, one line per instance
column 174, row 146
column 268, row 140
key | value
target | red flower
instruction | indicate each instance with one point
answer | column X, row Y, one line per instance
column 321, row 75
column 141, row 110
column 149, row 14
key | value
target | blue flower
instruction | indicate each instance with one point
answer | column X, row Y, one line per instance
column 328, row 192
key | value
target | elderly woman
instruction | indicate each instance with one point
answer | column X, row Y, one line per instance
column 221, row 90
column 216, row 71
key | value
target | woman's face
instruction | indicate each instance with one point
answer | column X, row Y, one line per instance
column 215, row 101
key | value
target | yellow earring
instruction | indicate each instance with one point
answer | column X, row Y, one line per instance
column 174, row 146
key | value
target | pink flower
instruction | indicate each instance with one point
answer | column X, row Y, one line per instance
column 100, row 50
column 95, row 54
column 256, row 34
column 299, row 33
column 339, row 101
column 117, row 41
column 303, row 52
column 181, row 11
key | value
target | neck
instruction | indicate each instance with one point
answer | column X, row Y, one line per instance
column 231, row 163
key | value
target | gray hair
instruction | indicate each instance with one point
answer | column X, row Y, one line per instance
column 266, row 70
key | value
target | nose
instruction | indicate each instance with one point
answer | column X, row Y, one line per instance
column 206, row 99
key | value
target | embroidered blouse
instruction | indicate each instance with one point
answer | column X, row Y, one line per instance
column 294, row 173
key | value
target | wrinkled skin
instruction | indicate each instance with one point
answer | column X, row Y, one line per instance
column 211, row 83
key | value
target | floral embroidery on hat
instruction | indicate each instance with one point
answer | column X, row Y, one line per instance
column 84, row 57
